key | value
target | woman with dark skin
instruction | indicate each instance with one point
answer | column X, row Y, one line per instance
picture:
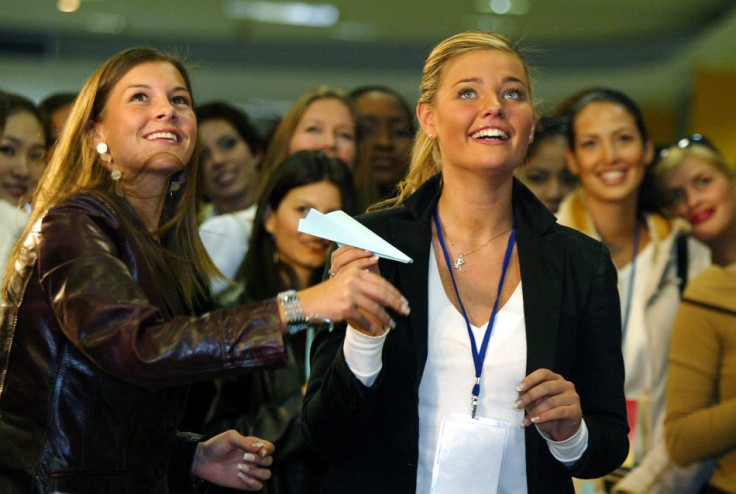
column 388, row 128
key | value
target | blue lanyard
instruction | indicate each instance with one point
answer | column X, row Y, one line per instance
column 478, row 356
column 630, row 291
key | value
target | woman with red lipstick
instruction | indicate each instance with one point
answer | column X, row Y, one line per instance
column 700, row 187
column 507, row 375
column 268, row 403
column 107, row 316
column 610, row 152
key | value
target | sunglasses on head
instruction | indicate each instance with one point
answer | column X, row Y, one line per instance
column 686, row 142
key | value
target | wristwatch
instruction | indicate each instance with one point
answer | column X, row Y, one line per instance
column 296, row 320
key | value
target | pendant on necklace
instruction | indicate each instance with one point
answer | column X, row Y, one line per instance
column 459, row 263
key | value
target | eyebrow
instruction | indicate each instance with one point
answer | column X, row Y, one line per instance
column 479, row 80
column 12, row 139
column 146, row 86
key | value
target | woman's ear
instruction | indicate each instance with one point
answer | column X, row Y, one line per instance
column 649, row 153
column 93, row 134
column 269, row 220
column 425, row 117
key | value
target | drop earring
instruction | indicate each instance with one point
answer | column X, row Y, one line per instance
column 115, row 174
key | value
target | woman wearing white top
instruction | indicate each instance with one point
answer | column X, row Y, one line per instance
column 610, row 152
column 381, row 403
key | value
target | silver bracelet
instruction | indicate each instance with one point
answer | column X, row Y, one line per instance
column 296, row 320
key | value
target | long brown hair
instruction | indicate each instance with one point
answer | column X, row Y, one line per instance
column 74, row 168
column 425, row 156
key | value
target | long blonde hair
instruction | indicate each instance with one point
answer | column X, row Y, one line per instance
column 278, row 147
column 74, row 167
column 425, row 155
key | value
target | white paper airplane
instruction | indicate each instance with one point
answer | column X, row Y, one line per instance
column 339, row 227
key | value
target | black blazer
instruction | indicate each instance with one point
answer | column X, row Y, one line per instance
column 571, row 306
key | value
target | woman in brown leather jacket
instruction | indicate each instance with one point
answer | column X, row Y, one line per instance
column 104, row 323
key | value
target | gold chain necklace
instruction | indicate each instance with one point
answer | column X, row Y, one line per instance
column 458, row 264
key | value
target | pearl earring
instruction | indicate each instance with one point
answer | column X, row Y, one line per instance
column 104, row 151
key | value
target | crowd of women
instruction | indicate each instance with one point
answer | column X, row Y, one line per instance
column 565, row 325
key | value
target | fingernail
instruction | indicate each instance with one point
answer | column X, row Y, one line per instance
column 244, row 478
column 534, row 419
column 250, row 457
column 519, row 404
column 392, row 324
column 520, row 387
column 405, row 309
column 243, row 467
column 258, row 444
column 264, row 453
column 524, row 422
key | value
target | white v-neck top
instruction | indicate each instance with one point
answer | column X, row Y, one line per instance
column 449, row 375
column 448, row 378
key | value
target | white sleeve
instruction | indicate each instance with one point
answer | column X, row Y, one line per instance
column 363, row 354
column 225, row 237
column 571, row 449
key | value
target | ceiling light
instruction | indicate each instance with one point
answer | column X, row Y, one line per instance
column 68, row 5
column 290, row 13
column 502, row 7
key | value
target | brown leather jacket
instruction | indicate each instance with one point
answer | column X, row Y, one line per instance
column 96, row 352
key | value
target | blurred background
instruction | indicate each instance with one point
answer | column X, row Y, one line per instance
column 677, row 58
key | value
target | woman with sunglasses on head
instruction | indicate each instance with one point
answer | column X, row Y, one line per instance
column 610, row 152
column 700, row 187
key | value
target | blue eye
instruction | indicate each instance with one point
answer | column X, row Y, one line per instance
column 466, row 93
column 513, row 94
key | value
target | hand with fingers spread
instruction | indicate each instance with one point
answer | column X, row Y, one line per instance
column 232, row 460
column 356, row 293
column 551, row 403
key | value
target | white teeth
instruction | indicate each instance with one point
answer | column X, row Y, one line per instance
column 163, row 135
column 490, row 133
column 612, row 175
column 225, row 177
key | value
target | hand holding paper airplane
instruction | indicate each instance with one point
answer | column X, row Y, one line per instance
column 339, row 227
